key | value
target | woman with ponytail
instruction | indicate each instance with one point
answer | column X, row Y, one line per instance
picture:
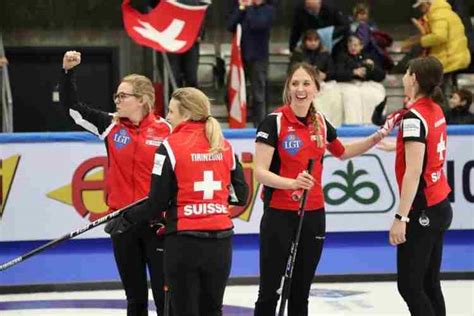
column 286, row 140
column 194, row 179
column 424, row 212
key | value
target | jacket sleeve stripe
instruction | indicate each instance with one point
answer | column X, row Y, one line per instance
column 422, row 119
column 278, row 121
column 170, row 153
column 107, row 130
column 234, row 164
column 79, row 120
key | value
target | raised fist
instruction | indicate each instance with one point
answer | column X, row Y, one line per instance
column 71, row 59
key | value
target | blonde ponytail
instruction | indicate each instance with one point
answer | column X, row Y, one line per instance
column 214, row 135
column 316, row 125
column 195, row 103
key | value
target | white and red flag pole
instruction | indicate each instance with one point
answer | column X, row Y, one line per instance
column 236, row 89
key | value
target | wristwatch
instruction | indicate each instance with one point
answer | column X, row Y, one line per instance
column 402, row 218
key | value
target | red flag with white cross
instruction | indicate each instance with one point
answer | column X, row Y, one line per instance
column 170, row 27
column 236, row 89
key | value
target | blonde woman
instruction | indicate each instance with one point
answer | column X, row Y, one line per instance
column 194, row 173
column 286, row 140
column 132, row 136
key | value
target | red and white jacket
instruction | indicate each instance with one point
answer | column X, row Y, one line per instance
column 192, row 184
column 130, row 148
column 425, row 123
column 295, row 144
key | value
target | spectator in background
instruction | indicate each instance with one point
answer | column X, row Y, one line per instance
column 459, row 105
column 185, row 65
column 374, row 41
column 354, row 64
column 359, row 76
column 329, row 99
column 317, row 15
column 460, row 8
column 3, row 61
column 314, row 53
column 411, row 46
column 446, row 39
column 256, row 18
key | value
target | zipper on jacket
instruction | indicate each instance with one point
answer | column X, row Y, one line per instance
column 137, row 130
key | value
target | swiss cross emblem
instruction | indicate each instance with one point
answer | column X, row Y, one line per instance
column 441, row 147
column 208, row 185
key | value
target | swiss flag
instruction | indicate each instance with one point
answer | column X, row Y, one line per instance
column 169, row 27
column 236, row 85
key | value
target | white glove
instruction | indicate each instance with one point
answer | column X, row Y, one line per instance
column 392, row 120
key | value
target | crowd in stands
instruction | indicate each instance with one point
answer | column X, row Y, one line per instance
column 350, row 52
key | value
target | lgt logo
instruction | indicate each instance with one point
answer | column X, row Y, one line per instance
column 292, row 144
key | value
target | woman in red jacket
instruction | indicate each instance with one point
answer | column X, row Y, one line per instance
column 286, row 140
column 424, row 213
column 195, row 177
column 131, row 135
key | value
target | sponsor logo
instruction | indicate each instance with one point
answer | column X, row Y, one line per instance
column 262, row 135
column 153, row 142
column 244, row 212
column 424, row 220
column 121, row 138
column 8, row 167
column 292, row 144
column 333, row 293
column 158, row 164
column 86, row 192
column 355, row 189
column 411, row 128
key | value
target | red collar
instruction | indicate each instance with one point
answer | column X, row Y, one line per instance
column 421, row 102
column 290, row 115
column 188, row 126
column 145, row 122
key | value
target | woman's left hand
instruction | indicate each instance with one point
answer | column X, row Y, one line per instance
column 397, row 232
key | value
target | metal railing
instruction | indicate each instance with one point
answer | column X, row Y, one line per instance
column 6, row 95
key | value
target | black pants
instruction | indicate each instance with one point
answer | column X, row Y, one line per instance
column 134, row 251
column 277, row 231
column 419, row 261
column 185, row 66
column 196, row 271
column 257, row 72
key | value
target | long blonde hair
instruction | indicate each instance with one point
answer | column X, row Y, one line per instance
column 197, row 105
column 312, row 71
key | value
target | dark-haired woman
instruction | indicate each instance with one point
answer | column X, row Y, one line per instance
column 286, row 140
column 424, row 212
